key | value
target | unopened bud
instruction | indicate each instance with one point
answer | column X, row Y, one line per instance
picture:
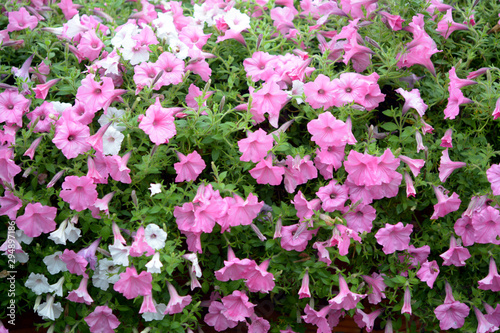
column 55, row 178
column 259, row 41
column 222, row 102
column 27, row 172
column 133, row 195
column 157, row 77
column 258, row 232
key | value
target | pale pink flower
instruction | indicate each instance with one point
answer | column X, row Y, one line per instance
column 393, row 22
column 189, row 167
column 37, row 219
column 413, row 101
column 366, row 320
column 304, row 288
column 327, row 131
column 75, row 263
column 102, row 320
column 217, row 319
column 259, row 279
column 483, row 325
column 269, row 99
column 132, row 284
column 79, row 192
column 496, row 111
column 428, row 272
column 265, row 173
column 90, row 45
column 20, row 20
column 333, row 196
column 493, row 175
column 173, row 70
column 45, row 115
column 452, row 313
column 320, row 93
column 377, row 286
column 456, row 255
column 234, row 268
column 13, row 106
column 394, row 237
column 345, row 299
column 176, row 303
column 305, row 209
column 96, row 95
column 492, row 280
column 68, row 8
column 456, row 99
column 486, row 226
column 256, row 146
column 8, row 168
column 237, row 306
column 407, row 302
column 445, row 204
column 360, row 219
column 260, row 66
column 295, row 237
column 10, row 204
column 447, row 166
column 81, row 295
column 446, row 26
column 158, row 123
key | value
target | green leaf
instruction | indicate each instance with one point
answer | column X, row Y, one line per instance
column 389, row 126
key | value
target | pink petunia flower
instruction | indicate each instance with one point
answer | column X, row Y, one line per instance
column 13, row 106
column 20, row 20
column 361, row 218
column 377, row 284
column 10, row 204
column 345, row 299
column 260, row 66
column 71, row 137
column 189, row 167
column 305, row 209
column 237, row 306
column 158, row 123
column 269, row 99
column 445, row 204
column 102, row 320
column 413, row 101
column 37, row 219
column 256, row 146
column 45, row 114
column 265, row 173
column 492, row 280
column 483, row 325
column 75, row 263
column 452, row 313
column 96, row 95
column 333, row 196
column 295, row 237
column 81, row 295
column 366, row 320
column 394, row 237
column 456, row 99
column 447, row 166
column 320, row 92
column 456, row 255
column 173, row 70
column 318, row 318
column 493, row 176
column 132, row 284
column 393, row 22
column 304, row 288
column 428, row 272
column 486, row 225
column 446, row 26
column 234, row 268
column 259, row 279
column 217, row 319
column 8, row 168
column 176, row 303
column 79, row 192
column 328, row 159
column 327, row 131
column 90, row 45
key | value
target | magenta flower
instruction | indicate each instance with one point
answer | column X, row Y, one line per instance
column 412, row 101
column 102, row 320
column 132, row 284
column 255, row 146
column 447, row 166
column 176, row 303
column 8, row 168
column 158, row 123
column 327, row 131
column 483, row 325
column 37, row 219
column 68, row 8
column 333, row 196
column 260, row 66
column 304, row 288
column 377, row 284
column 71, row 138
column 394, row 237
column 346, row 299
column 295, row 237
column 361, row 218
column 217, row 319
column 446, row 26
column 42, row 90
column 74, row 262
column 81, row 295
column 464, row 228
column 456, row 255
column 20, row 20
column 10, row 204
column 320, row 93
column 298, row 171
column 234, row 268
column 393, row 22
column 265, row 173
column 486, row 226
column 269, row 99
column 445, row 204
column 173, row 70
column 13, row 106
column 428, row 272
column 364, row 319
column 456, row 99
column 96, row 95
column 189, row 167
column 363, row 169
column 328, row 159
column 452, row 313
column 492, row 280
column 496, row 111
column 237, row 306
column 79, row 192
column 318, row 318
column 493, row 175
column 259, row 279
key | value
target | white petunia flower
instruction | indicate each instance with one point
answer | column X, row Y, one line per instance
column 49, row 309
column 57, row 288
column 178, row 48
column 38, row 283
column 58, row 235
column 115, row 115
column 22, row 238
column 105, row 274
column 165, row 27
column 193, row 257
column 72, row 233
column 155, row 236
column 119, row 253
column 133, row 51
column 126, row 32
column 236, row 20
column 155, row 265
column 112, row 141
column 54, row 263
column 155, row 188
column 160, row 310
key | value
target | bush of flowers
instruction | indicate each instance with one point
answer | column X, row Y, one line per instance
column 276, row 165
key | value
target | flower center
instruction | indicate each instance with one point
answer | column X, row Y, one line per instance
column 333, row 196
column 97, row 91
column 168, row 70
column 321, row 92
column 42, row 117
column 94, row 45
column 10, row 106
column 360, row 213
column 71, row 138
column 262, row 67
column 152, row 75
column 348, row 90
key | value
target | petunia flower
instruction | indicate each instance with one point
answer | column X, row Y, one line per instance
column 445, row 204
column 446, row 26
column 10, row 204
column 155, row 236
column 259, row 279
column 217, row 319
column 394, row 237
column 132, row 284
column 483, row 325
column 447, row 166
column 234, row 268
column 189, row 167
column 412, row 101
column 176, row 303
column 54, row 263
column 452, row 313
column 456, row 255
column 37, row 219
column 366, row 320
column 320, row 92
column 265, row 173
column 486, row 225
column 75, row 263
column 102, row 320
column 49, row 309
column 154, row 265
column 71, row 138
column 345, row 299
column 407, row 302
column 295, row 237
column 158, row 123
column 20, row 20
column 361, row 218
column 38, row 283
column 256, row 146
column 328, row 131
column 428, row 272
column 493, row 176
column 81, row 295
column 79, row 192
column 237, row 306
column 492, row 280
column 304, row 288
column 13, row 106
column 377, row 284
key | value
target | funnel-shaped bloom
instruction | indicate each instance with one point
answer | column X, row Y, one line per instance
column 394, row 237
column 446, row 140
column 265, row 173
column 493, row 315
column 176, row 303
column 255, row 146
column 304, row 288
column 483, row 325
column 493, row 175
column 158, row 123
column 217, row 319
column 79, row 192
column 446, row 26
column 189, row 167
column 320, row 93
column 132, row 284
column 452, row 313
column 102, row 320
column 445, row 204
column 492, row 280
column 428, row 272
column 346, row 299
column 234, row 268
column 486, row 226
column 407, row 302
column 81, row 295
column 377, row 284
column 364, row 319
column 447, row 166
column 328, row 131
column 37, row 219
column 237, row 306
column 456, row 99
column 456, row 255
column 412, row 101
column 259, row 279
